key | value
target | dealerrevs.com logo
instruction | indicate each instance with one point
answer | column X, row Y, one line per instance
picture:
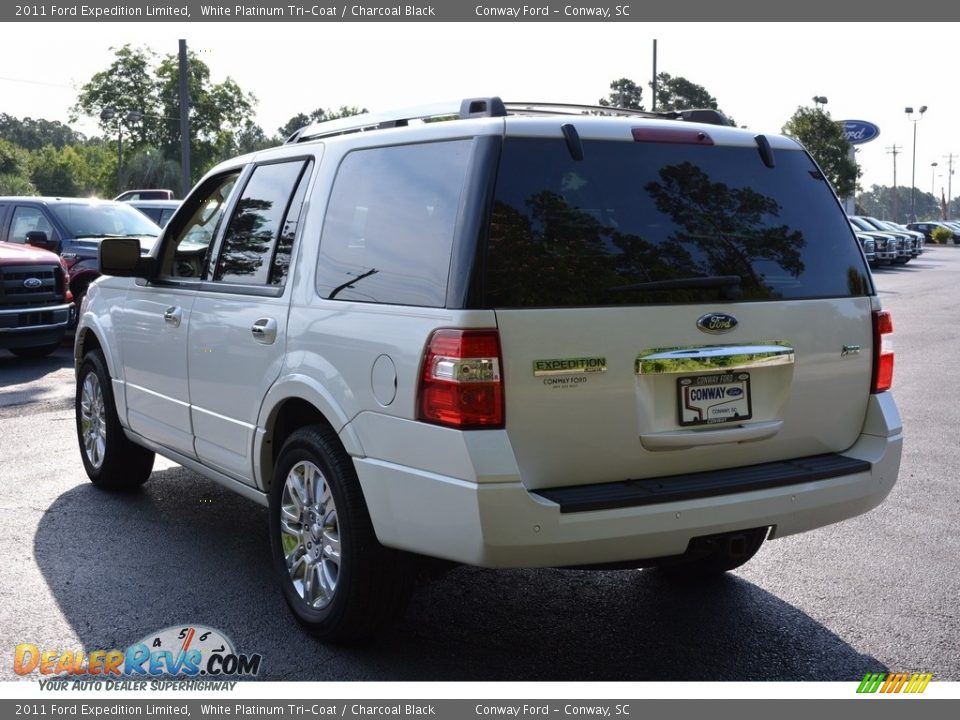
column 184, row 652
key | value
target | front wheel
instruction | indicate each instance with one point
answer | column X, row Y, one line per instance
column 340, row 583
column 111, row 460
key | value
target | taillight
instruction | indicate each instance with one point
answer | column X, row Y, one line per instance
column 461, row 384
column 882, row 351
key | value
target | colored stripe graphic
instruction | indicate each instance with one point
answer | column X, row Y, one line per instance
column 871, row 682
column 894, row 683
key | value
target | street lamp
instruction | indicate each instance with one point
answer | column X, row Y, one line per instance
column 913, row 176
column 819, row 101
column 933, row 187
column 134, row 116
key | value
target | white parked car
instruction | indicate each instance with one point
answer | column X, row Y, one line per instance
column 522, row 336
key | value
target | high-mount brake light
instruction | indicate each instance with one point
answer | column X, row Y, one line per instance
column 460, row 383
column 679, row 136
column 882, row 351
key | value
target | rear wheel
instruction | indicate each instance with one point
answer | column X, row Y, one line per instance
column 340, row 583
column 112, row 461
column 710, row 557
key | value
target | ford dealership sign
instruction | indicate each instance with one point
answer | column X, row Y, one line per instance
column 858, row 132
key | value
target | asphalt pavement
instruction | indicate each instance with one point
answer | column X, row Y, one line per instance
column 88, row 569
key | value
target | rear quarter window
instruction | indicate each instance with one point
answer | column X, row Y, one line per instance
column 632, row 222
column 390, row 222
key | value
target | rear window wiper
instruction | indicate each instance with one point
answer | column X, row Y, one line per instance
column 691, row 283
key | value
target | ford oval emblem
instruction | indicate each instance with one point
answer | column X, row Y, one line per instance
column 32, row 283
column 858, row 132
column 717, row 323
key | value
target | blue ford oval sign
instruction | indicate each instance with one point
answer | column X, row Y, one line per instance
column 858, row 132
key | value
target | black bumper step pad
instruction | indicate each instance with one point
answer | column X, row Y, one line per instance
column 653, row 491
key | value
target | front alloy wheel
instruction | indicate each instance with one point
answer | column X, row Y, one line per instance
column 111, row 460
column 93, row 421
column 310, row 534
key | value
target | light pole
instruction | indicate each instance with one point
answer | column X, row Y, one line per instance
column 933, row 186
column 819, row 101
column 913, row 176
column 133, row 116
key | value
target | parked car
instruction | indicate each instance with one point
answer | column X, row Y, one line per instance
column 879, row 248
column 914, row 239
column 928, row 226
column 151, row 194
column 869, row 245
column 74, row 228
column 903, row 242
column 523, row 337
column 36, row 305
column 160, row 211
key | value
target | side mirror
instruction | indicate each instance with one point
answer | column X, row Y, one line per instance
column 121, row 257
column 39, row 239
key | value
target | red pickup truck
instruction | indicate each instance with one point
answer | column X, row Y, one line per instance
column 36, row 305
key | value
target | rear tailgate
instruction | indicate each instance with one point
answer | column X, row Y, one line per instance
column 595, row 395
column 672, row 300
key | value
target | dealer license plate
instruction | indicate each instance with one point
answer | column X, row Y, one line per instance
column 711, row 399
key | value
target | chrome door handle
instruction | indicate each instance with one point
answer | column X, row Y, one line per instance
column 173, row 316
column 264, row 330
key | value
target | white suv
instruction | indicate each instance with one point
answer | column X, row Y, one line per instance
column 523, row 336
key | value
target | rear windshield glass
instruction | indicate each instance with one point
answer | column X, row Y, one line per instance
column 649, row 223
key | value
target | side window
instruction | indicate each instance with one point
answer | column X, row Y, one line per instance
column 257, row 243
column 185, row 254
column 389, row 227
column 27, row 219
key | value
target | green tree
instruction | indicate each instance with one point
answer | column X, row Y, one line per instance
column 148, row 169
column 127, row 85
column 53, row 171
column 139, row 81
column 15, row 170
column 32, row 134
column 218, row 113
column 678, row 93
column 824, row 139
column 624, row 93
column 880, row 201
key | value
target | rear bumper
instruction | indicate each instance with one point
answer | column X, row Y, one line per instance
column 501, row 524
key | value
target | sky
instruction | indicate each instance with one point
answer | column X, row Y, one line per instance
column 759, row 72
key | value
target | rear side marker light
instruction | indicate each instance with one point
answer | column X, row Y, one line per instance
column 882, row 351
column 460, row 383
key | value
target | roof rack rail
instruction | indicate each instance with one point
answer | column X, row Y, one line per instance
column 701, row 115
column 460, row 109
column 485, row 107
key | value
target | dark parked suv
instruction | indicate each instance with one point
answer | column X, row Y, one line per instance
column 73, row 227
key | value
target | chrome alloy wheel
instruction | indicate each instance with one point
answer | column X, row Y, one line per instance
column 310, row 534
column 93, row 420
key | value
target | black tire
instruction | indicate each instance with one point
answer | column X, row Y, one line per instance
column 111, row 460
column 341, row 583
column 715, row 556
column 34, row 353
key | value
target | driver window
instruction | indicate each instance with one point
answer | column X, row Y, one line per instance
column 186, row 254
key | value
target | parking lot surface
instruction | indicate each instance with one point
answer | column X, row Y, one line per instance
column 87, row 569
